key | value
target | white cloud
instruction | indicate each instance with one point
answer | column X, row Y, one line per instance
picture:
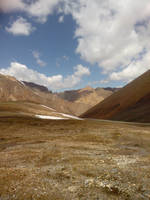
column 109, row 32
column 23, row 73
column 11, row 5
column 20, row 27
column 36, row 55
column 61, row 19
column 133, row 70
column 80, row 71
column 41, row 9
column 75, row 79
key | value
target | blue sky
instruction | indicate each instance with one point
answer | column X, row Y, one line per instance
column 66, row 44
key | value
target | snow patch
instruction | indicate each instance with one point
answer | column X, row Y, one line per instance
column 49, row 117
column 21, row 82
column 71, row 116
column 47, row 107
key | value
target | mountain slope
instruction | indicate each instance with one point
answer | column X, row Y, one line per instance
column 36, row 86
column 28, row 109
column 13, row 90
column 56, row 102
column 131, row 103
column 86, row 96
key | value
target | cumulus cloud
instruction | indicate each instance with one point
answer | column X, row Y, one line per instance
column 36, row 55
column 109, row 33
column 20, row 27
column 133, row 70
column 41, row 9
column 80, row 71
column 9, row 5
column 57, row 82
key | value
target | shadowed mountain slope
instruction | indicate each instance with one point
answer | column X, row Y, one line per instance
column 131, row 103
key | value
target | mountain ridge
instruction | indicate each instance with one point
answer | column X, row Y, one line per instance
column 115, row 106
column 13, row 90
column 86, row 95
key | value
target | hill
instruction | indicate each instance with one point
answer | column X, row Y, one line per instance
column 131, row 103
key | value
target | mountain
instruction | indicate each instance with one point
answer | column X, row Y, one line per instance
column 111, row 89
column 13, row 90
column 36, row 86
column 74, row 102
column 131, row 103
column 86, row 96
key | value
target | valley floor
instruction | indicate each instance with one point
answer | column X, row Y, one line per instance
column 73, row 160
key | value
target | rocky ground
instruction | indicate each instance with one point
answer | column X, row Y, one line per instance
column 72, row 159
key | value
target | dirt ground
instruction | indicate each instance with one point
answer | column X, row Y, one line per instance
column 73, row 160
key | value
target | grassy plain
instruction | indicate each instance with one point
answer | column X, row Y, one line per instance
column 73, row 159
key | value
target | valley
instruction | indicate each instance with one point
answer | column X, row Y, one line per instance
column 70, row 102
column 48, row 153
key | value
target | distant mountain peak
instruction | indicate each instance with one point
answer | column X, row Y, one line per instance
column 87, row 88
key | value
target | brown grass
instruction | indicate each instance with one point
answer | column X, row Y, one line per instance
column 70, row 159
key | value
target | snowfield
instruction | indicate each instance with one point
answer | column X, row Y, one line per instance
column 66, row 116
column 62, row 115
column 49, row 117
column 71, row 116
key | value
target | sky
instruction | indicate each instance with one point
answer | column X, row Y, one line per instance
column 68, row 44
